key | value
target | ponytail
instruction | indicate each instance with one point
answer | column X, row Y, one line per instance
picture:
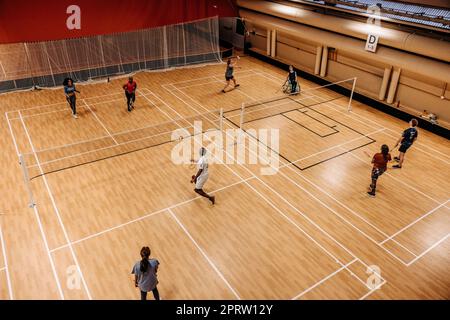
column 145, row 254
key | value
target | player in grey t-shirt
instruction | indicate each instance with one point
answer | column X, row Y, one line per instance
column 145, row 274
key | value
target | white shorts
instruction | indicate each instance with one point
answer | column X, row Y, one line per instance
column 201, row 181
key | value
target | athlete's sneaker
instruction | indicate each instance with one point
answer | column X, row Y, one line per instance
column 397, row 159
column 74, row 115
column 237, row 85
column 397, row 166
column 371, row 193
column 213, row 199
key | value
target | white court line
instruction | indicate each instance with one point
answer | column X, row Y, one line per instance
column 102, row 137
column 428, row 250
column 147, row 215
column 373, row 290
column 68, row 144
column 98, row 149
column 333, row 147
column 395, row 178
column 62, row 102
column 100, row 122
column 323, row 280
column 204, row 254
column 374, row 122
column 65, row 109
column 400, row 181
column 3, row 69
column 159, row 109
column 208, row 77
column 414, row 222
column 281, row 197
column 12, row 135
column 6, row 267
column 380, row 244
column 346, row 113
column 202, row 84
column 44, row 238
column 335, row 212
column 119, row 226
column 56, row 210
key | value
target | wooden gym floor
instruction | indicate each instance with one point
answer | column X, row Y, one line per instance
column 308, row 232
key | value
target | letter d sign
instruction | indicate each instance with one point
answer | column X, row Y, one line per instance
column 371, row 43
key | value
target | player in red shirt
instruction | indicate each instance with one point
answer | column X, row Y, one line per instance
column 130, row 92
column 380, row 161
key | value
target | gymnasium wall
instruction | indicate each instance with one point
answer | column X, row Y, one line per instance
column 43, row 20
column 412, row 80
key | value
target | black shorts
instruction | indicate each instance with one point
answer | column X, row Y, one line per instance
column 229, row 78
column 404, row 147
column 376, row 172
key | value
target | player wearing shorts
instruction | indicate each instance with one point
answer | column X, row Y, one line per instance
column 130, row 92
column 202, row 176
column 231, row 64
column 379, row 161
column 406, row 141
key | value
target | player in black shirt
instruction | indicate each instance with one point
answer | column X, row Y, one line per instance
column 406, row 140
column 292, row 78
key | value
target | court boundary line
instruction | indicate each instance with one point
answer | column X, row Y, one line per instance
column 404, row 183
column 146, row 215
column 44, row 238
column 65, row 109
column 323, row 280
column 56, row 210
column 281, row 197
column 290, row 162
column 394, row 177
column 6, row 267
column 428, row 250
column 12, row 135
column 101, row 123
column 415, row 221
column 363, row 218
column 201, row 84
column 202, row 252
column 94, row 97
column 390, row 238
column 370, row 120
column 320, row 201
column 416, row 257
column 105, row 136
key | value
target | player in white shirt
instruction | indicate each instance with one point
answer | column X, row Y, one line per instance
column 202, row 176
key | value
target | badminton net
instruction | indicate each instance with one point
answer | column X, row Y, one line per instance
column 67, row 156
column 261, row 109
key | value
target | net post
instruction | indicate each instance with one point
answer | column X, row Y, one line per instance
column 22, row 163
column 241, row 118
column 241, row 122
column 349, row 107
column 221, row 120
